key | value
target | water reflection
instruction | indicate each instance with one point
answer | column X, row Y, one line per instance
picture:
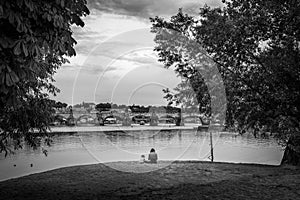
column 88, row 148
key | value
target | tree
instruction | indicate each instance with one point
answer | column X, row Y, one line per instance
column 192, row 93
column 255, row 45
column 103, row 107
column 60, row 105
column 139, row 109
column 35, row 39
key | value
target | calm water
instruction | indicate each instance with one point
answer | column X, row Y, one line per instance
column 89, row 148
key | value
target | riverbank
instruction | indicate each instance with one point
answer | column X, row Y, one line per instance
column 179, row 180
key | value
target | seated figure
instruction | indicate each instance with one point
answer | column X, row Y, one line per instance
column 142, row 160
column 152, row 158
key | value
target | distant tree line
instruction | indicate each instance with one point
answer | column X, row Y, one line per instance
column 84, row 105
column 137, row 108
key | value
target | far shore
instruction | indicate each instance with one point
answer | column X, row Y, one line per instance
column 119, row 128
column 132, row 128
column 176, row 180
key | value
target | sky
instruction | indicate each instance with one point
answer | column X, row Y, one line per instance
column 115, row 61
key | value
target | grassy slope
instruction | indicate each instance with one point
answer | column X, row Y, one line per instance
column 180, row 180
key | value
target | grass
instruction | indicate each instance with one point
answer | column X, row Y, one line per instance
column 178, row 180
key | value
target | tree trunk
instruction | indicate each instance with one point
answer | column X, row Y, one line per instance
column 291, row 154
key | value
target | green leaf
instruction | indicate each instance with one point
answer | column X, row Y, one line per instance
column 3, row 42
column 25, row 51
column 14, row 77
column 29, row 4
column 17, row 49
column 8, row 80
column 11, row 18
column 36, row 50
column 22, row 74
column 2, row 78
column 49, row 17
column 3, row 89
column 1, row 10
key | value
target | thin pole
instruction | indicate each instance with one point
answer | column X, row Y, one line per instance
column 211, row 148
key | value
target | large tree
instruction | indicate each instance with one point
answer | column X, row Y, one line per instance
column 35, row 39
column 256, row 46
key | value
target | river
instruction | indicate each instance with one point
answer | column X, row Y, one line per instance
column 99, row 147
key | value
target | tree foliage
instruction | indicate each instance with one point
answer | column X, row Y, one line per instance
column 255, row 45
column 35, row 39
column 103, row 107
column 192, row 93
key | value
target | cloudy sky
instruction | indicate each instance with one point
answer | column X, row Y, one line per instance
column 115, row 61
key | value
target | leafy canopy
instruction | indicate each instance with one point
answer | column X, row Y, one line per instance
column 255, row 45
column 35, row 39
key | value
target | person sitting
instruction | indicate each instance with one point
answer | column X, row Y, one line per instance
column 142, row 160
column 152, row 158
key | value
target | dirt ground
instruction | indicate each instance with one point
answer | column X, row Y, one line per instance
column 179, row 180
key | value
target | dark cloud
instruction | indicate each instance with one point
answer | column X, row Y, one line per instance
column 149, row 8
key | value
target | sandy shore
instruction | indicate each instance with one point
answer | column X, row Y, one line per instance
column 179, row 180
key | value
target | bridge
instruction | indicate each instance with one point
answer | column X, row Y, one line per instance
column 92, row 118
